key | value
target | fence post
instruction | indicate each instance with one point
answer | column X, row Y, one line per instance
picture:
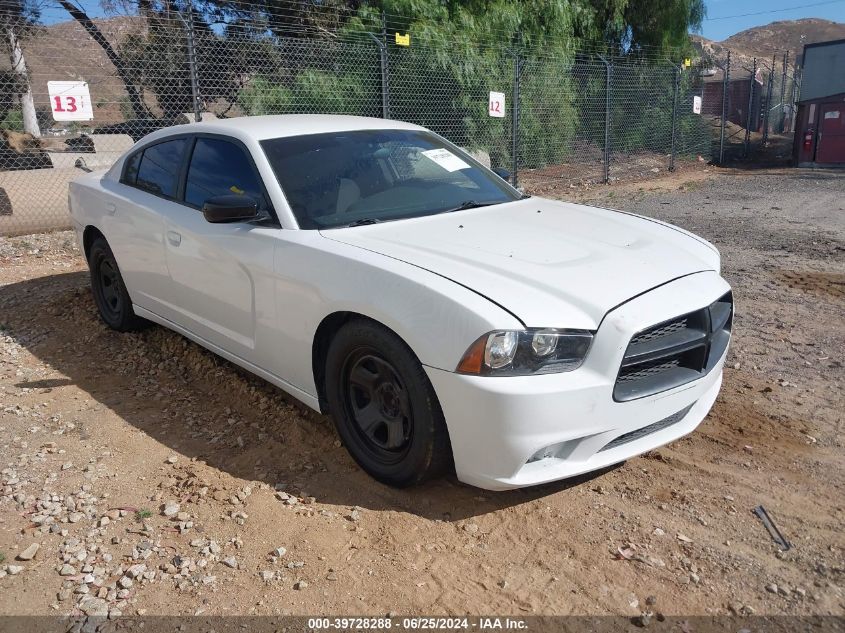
column 517, row 73
column 676, row 89
column 725, row 86
column 607, row 73
column 782, row 121
column 192, row 64
column 385, row 87
column 768, row 111
column 752, row 82
column 793, row 97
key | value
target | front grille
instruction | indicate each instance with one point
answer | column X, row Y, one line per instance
column 647, row 430
column 675, row 352
column 660, row 331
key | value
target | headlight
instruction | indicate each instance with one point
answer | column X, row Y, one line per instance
column 526, row 352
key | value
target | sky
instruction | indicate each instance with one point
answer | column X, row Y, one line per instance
column 714, row 27
column 718, row 29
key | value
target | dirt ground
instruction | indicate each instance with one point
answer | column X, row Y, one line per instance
column 105, row 434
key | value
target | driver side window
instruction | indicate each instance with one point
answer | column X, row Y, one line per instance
column 220, row 168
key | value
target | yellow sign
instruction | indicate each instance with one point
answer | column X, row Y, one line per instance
column 403, row 40
column 687, row 62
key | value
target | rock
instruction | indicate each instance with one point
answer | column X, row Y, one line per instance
column 279, row 552
column 651, row 600
column 104, row 521
column 267, row 576
column 13, row 570
column 172, row 459
column 135, row 571
column 644, row 619
column 471, row 528
column 300, row 584
column 683, row 538
column 29, row 553
column 94, row 607
column 171, row 509
column 125, row 582
column 230, row 562
column 772, row 588
column 658, row 532
column 67, row 570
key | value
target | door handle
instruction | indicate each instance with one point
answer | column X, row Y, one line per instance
column 174, row 238
column 111, row 208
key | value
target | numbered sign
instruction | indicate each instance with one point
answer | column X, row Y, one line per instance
column 70, row 100
column 696, row 105
column 496, row 105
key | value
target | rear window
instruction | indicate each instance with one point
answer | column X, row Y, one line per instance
column 158, row 171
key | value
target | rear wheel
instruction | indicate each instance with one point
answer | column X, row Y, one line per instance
column 110, row 295
column 384, row 407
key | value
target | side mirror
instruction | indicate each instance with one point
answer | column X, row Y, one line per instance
column 502, row 173
column 232, row 208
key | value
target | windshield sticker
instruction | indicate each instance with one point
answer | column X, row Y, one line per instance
column 446, row 159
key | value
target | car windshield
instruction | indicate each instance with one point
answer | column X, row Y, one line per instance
column 363, row 177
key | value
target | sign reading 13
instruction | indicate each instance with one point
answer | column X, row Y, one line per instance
column 70, row 100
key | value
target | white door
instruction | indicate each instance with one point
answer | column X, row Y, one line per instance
column 221, row 274
column 133, row 220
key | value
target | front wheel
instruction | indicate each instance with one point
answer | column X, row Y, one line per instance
column 110, row 295
column 384, row 407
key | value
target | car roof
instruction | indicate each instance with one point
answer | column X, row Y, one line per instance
column 280, row 125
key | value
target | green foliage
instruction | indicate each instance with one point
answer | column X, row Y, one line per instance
column 2, row 558
column 13, row 121
column 143, row 513
column 312, row 91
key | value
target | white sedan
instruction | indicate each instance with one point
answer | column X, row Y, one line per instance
column 376, row 272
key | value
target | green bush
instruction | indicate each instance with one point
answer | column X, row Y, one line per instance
column 13, row 121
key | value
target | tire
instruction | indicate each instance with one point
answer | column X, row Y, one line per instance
column 110, row 295
column 384, row 407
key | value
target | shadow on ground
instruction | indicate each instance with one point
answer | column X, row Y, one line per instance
column 182, row 403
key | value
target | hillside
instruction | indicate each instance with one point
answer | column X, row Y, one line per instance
column 775, row 38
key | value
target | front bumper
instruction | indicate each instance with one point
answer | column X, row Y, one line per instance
column 498, row 425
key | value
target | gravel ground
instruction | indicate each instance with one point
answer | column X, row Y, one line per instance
column 142, row 475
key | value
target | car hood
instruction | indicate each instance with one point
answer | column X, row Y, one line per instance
column 550, row 263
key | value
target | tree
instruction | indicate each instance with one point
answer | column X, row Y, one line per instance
column 16, row 17
column 135, row 99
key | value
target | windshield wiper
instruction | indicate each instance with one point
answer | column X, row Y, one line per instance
column 364, row 222
column 469, row 204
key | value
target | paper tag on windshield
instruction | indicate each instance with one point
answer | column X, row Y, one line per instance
column 446, row 159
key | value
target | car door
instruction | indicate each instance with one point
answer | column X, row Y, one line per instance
column 134, row 217
column 221, row 284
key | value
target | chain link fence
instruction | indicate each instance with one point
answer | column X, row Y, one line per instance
column 580, row 117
